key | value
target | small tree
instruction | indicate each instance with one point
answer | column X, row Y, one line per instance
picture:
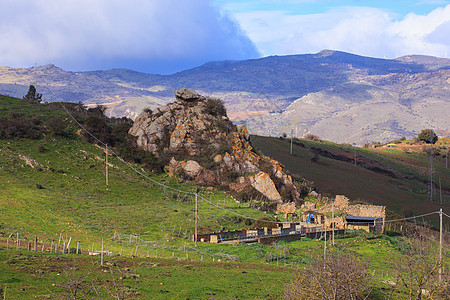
column 428, row 136
column 32, row 95
column 338, row 276
column 417, row 268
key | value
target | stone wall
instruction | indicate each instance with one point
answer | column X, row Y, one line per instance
column 361, row 210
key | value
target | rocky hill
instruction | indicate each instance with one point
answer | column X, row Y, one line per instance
column 335, row 95
column 200, row 144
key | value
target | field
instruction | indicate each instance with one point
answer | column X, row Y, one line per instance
column 54, row 187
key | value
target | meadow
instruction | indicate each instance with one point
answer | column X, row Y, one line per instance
column 54, row 187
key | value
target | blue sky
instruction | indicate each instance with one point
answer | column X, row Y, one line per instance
column 166, row 36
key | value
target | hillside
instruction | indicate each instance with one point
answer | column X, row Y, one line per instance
column 397, row 177
column 55, row 183
column 53, row 186
column 363, row 99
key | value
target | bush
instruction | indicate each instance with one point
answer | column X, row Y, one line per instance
column 338, row 276
column 428, row 136
column 18, row 128
column 98, row 128
column 215, row 107
column 312, row 137
column 56, row 127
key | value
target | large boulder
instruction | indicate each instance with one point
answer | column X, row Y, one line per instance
column 206, row 148
column 264, row 184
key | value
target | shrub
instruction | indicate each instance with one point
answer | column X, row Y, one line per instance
column 428, row 136
column 215, row 107
column 312, row 137
column 56, row 127
column 337, row 276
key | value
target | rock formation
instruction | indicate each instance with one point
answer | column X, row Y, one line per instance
column 200, row 144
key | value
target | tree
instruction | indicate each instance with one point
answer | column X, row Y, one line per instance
column 338, row 276
column 428, row 136
column 32, row 95
column 417, row 268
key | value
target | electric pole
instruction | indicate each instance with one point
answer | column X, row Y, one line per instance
column 333, row 223
column 292, row 133
column 196, row 213
column 107, row 186
column 440, row 244
column 431, row 165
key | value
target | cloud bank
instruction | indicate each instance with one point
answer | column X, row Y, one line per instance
column 151, row 36
column 362, row 30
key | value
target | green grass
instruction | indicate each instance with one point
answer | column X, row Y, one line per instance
column 201, row 273
column 63, row 196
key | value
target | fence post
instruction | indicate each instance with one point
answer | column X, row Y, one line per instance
column 18, row 242
column 121, row 249
column 101, row 263
column 78, row 246
column 51, row 247
column 7, row 244
column 35, row 243
column 92, row 249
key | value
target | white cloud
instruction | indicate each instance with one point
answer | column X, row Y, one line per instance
column 85, row 34
column 361, row 30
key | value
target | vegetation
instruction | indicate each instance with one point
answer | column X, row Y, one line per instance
column 384, row 176
column 215, row 107
column 428, row 136
column 32, row 95
column 335, row 276
column 53, row 186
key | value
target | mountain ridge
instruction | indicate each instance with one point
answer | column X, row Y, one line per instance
column 415, row 89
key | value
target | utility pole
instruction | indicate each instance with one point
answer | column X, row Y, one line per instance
column 446, row 160
column 333, row 223
column 440, row 244
column 107, row 186
column 196, row 213
column 325, row 244
column 431, row 165
column 292, row 133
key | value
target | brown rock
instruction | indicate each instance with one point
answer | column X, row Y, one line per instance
column 188, row 95
column 262, row 183
column 341, row 201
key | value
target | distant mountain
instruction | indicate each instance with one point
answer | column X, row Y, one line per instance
column 336, row 95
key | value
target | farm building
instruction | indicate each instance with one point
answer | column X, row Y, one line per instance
column 369, row 224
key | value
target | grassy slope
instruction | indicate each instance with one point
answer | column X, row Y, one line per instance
column 75, row 203
column 331, row 176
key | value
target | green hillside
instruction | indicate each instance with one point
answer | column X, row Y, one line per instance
column 53, row 186
column 385, row 176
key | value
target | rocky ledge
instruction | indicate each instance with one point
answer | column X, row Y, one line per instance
column 200, row 144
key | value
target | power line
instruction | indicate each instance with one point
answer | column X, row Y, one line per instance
column 192, row 193
column 403, row 219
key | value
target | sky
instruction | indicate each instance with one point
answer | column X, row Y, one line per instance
column 167, row 36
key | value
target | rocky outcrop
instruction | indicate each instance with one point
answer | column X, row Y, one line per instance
column 202, row 145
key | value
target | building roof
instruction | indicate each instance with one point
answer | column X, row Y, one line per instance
column 361, row 219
